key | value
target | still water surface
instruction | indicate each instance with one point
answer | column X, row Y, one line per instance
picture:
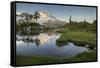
column 46, row 46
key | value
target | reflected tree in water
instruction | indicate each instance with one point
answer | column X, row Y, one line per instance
column 29, row 28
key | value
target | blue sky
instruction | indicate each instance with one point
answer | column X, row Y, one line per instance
column 60, row 12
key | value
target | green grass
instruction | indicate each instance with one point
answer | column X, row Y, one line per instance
column 33, row 60
column 28, row 60
column 83, row 57
column 79, row 38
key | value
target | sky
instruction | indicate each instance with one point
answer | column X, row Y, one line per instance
column 61, row 12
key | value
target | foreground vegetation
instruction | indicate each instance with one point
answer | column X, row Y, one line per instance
column 28, row 60
column 84, row 57
column 33, row 60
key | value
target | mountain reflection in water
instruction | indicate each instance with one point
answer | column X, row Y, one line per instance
column 44, row 44
column 38, row 39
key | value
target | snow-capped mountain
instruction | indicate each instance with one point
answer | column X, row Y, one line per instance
column 45, row 18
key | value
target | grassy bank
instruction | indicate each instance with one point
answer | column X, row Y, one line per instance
column 84, row 57
column 33, row 60
column 78, row 37
column 28, row 60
